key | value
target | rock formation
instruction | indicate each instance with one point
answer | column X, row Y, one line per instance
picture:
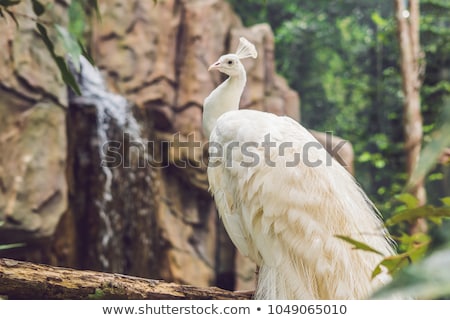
column 160, row 220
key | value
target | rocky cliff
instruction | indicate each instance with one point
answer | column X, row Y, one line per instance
column 151, row 214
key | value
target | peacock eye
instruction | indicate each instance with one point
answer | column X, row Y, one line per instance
column 230, row 62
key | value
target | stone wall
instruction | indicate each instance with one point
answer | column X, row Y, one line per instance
column 156, row 56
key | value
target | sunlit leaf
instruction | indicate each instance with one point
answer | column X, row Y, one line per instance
column 38, row 8
column 77, row 19
column 358, row 245
column 436, row 176
column 380, row 163
column 66, row 75
column 409, row 242
column 436, row 220
column 408, row 199
column 364, row 157
column 416, row 247
column 421, row 212
column 376, row 271
column 378, row 20
column 446, row 201
column 395, row 263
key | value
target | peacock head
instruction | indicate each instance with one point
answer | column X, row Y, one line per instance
column 230, row 64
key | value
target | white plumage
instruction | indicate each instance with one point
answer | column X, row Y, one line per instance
column 283, row 205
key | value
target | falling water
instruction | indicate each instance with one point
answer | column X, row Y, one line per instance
column 110, row 108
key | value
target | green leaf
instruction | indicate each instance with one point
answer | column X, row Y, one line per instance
column 70, row 45
column 86, row 53
column 376, row 271
column 436, row 176
column 378, row 20
column 77, row 19
column 409, row 200
column 380, row 163
column 415, row 247
column 358, row 245
column 9, row 3
column 446, row 201
column 11, row 246
column 364, row 157
column 436, row 220
column 66, row 75
column 38, row 7
column 43, row 33
column 421, row 212
column 98, row 294
column 395, row 263
column 428, row 279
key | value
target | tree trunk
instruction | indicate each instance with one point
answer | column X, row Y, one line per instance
column 411, row 68
column 25, row 280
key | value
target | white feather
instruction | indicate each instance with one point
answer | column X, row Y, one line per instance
column 246, row 49
column 283, row 216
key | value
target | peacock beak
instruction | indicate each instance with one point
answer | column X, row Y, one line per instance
column 214, row 66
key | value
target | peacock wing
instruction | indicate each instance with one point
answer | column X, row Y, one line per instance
column 284, row 205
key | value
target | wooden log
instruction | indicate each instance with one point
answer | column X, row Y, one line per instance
column 25, row 280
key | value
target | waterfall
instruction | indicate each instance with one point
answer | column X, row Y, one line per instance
column 111, row 110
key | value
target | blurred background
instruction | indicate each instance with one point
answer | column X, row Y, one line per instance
column 332, row 65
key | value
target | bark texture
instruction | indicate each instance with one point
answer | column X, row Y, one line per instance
column 411, row 63
column 25, row 280
column 411, row 68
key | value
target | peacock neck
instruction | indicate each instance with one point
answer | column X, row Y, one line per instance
column 232, row 92
column 224, row 98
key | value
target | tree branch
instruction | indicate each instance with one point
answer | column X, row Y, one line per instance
column 25, row 280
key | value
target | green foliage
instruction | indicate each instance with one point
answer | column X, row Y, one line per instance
column 98, row 294
column 428, row 279
column 342, row 57
column 66, row 75
column 395, row 263
column 440, row 139
column 70, row 44
column 71, row 38
column 77, row 19
column 358, row 245
column 415, row 276
column 434, row 214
